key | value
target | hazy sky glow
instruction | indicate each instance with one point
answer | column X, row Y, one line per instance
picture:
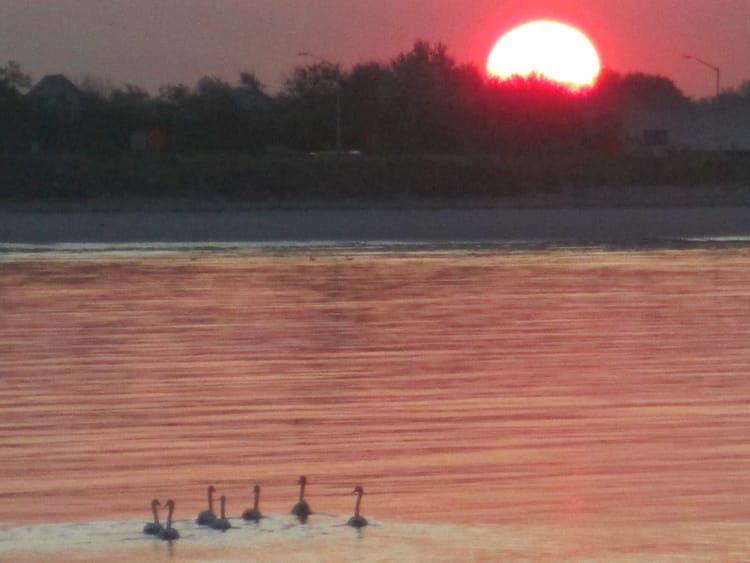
column 155, row 42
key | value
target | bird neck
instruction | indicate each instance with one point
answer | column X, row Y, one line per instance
column 169, row 515
column 359, row 501
column 210, row 501
column 256, row 499
column 156, row 513
column 302, row 491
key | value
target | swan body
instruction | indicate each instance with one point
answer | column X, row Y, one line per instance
column 169, row 533
column 253, row 514
column 357, row 521
column 207, row 517
column 302, row 510
column 221, row 523
column 153, row 528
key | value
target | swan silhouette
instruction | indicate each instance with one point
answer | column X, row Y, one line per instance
column 302, row 510
column 207, row 517
column 221, row 523
column 153, row 528
column 253, row 514
column 169, row 533
column 357, row 521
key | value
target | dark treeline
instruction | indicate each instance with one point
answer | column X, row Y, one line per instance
column 424, row 126
column 421, row 102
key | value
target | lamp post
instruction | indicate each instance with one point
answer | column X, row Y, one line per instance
column 709, row 65
column 338, row 97
column 718, row 119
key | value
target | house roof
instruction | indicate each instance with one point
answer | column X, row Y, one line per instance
column 53, row 85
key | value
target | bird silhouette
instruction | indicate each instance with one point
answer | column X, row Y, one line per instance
column 207, row 517
column 153, row 528
column 221, row 523
column 302, row 510
column 357, row 521
column 169, row 533
column 253, row 514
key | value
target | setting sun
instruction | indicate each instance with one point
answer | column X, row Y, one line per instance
column 553, row 50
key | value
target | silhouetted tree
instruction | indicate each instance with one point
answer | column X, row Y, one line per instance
column 308, row 102
column 367, row 93
column 16, row 117
column 174, row 93
column 259, row 110
column 13, row 79
column 420, row 101
column 250, row 83
column 738, row 97
column 743, row 90
column 215, row 115
column 616, row 92
column 130, row 110
column 96, row 85
column 424, row 100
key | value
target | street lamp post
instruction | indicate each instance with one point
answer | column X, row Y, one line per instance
column 717, row 110
column 712, row 67
column 338, row 97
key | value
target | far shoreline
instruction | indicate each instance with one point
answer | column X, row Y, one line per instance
column 550, row 219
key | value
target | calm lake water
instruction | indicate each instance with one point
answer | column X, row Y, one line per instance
column 516, row 404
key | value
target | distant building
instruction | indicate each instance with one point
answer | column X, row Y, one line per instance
column 57, row 96
column 706, row 127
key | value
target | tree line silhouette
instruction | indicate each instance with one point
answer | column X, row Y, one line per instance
column 422, row 101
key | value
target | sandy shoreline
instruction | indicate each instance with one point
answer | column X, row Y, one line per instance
column 569, row 225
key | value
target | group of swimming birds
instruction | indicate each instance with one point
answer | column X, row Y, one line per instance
column 208, row 517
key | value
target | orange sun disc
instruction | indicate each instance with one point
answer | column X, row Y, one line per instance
column 556, row 51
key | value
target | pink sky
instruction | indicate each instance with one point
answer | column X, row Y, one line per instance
column 155, row 42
